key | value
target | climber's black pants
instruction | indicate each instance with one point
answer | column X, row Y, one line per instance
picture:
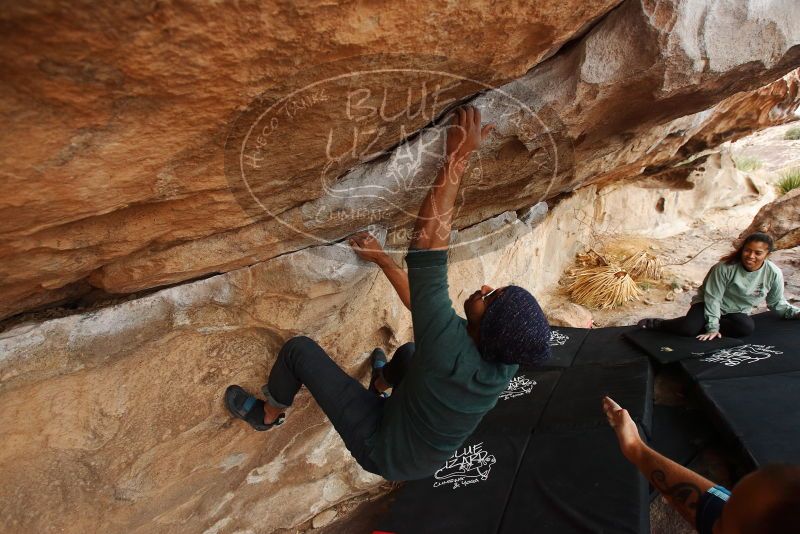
column 354, row 411
column 694, row 323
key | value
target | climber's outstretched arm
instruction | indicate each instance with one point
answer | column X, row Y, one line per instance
column 680, row 486
column 435, row 219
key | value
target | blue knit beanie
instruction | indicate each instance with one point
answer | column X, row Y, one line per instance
column 514, row 330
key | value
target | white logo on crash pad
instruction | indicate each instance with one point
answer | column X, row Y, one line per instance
column 557, row 338
column 741, row 354
column 469, row 465
column 519, row 386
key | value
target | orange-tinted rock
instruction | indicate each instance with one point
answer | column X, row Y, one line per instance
column 114, row 167
column 116, row 115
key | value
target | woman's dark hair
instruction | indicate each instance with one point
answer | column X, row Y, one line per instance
column 736, row 255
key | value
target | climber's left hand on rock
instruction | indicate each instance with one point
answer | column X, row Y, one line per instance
column 367, row 247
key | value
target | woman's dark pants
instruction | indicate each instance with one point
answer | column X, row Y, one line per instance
column 694, row 323
column 354, row 411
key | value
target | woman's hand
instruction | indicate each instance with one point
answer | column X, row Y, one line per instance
column 367, row 247
column 630, row 443
column 708, row 336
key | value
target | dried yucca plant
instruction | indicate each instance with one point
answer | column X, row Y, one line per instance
column 643, row 266
column 590, row 258
column 603, row 287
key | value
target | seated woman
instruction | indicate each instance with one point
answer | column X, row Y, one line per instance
column 740, row 281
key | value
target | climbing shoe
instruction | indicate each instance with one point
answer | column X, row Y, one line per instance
column 246, row 407
column 650, row 324
column 377, row 360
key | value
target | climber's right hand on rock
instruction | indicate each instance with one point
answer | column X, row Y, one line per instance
column 465, row 134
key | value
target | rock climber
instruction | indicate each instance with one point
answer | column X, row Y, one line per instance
column 741, row 280
column 445, row 382
column 766, row 501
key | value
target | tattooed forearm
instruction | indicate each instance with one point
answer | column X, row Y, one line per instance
column 680, row 486
column 681, row 494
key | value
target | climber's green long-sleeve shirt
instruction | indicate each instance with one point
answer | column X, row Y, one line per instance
column 447, row 388
column 730, row 288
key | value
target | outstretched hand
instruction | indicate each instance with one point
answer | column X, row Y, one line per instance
column 464, row 134
column 708, row 336
column 627, row 434
column 367, row 247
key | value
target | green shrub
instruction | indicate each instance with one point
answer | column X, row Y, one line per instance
column 747, row 163
column 789, row 180
column 792, row 134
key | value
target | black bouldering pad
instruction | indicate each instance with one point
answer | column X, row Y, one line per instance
column 679, row 434
column 668, row 348
column 577, row 400
column 761, row 412
column 744, row 360
column 564, row 344
column 469, row 493
column 577, row 482
column 774, row 330
column 607, row 345
column 773, row 348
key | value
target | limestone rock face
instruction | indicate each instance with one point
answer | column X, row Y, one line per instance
column 115, row 166
column 735, row 117
column 117, row 116
column 679, row 197
column 744, row 113
column 780, row 219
